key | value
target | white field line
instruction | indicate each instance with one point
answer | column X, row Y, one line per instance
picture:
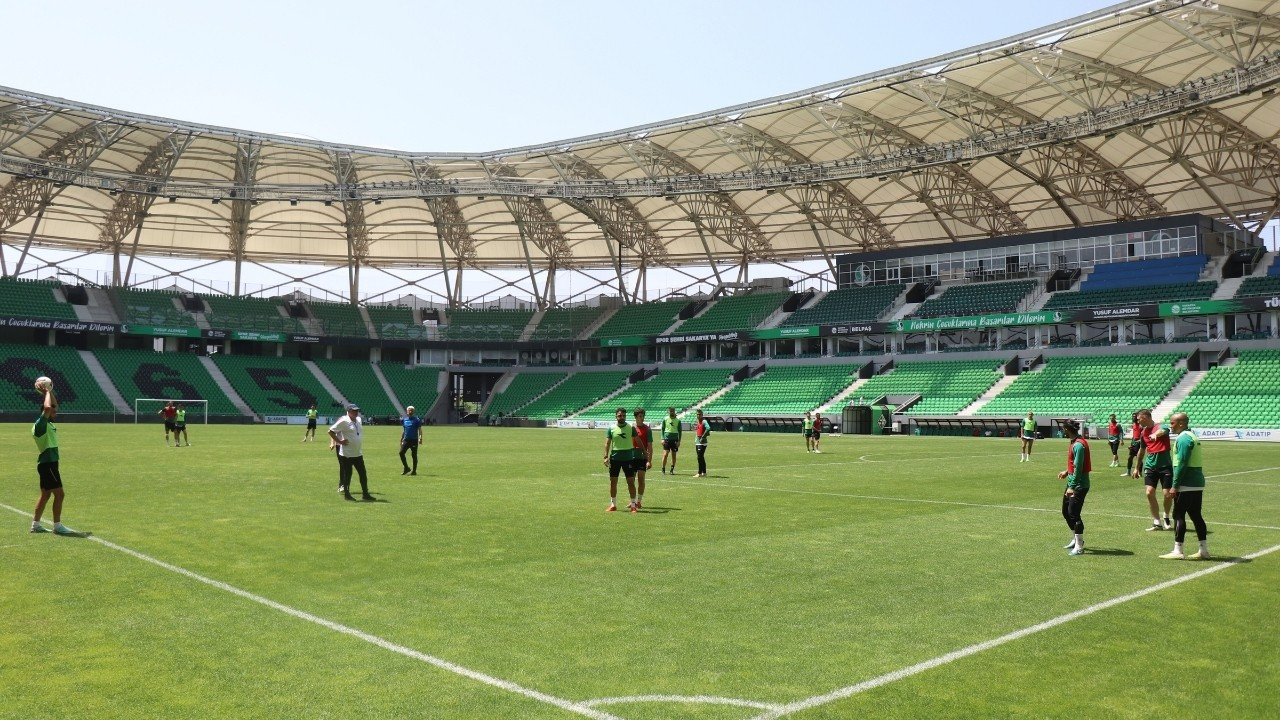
column 698, row 699
column 924, row 501
column 873, row 683
column 561, row 703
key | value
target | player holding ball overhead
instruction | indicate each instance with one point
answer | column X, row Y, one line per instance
column 46, row 437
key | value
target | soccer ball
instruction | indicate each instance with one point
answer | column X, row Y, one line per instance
column 44, row 384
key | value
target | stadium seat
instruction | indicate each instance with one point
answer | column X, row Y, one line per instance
column 32, row 299
column 249, row 313
column 274, row 385
column 784, row 390
column 735, row 312
column 946, row 387
column 394, row 322
column 976, row 299
column 524, row 388
column 1091, row 387
column 356, row 381
column 339, row 319
column 153, row 307
column 642, row 319
column 680, row 389
column 576, row 392
column 74, row 386
column 417, row 386
column 177, row 376
column 485, row 324
column 1241, row 396
column 847, row 305
column 565, row 323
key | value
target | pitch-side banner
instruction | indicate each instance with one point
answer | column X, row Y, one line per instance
column 1252, row 435
column 581, row 424
column 977, row 322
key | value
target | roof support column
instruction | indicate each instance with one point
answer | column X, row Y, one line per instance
column 817, row 236
column 697, row 223
column 30, row 236
column 133, row 249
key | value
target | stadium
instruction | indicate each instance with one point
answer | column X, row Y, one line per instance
column 1071, row 222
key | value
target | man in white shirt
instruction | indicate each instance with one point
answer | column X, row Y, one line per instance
column 347, row 435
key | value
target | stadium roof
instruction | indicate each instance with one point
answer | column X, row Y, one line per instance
column 1138, row 110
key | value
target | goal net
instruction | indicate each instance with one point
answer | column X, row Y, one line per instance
column 148, row 410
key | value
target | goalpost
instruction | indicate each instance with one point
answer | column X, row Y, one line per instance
column 150, row 407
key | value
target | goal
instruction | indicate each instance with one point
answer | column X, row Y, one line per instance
column 150, row 408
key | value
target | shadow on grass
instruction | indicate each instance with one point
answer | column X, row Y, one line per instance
column 1113, row 552
column 659, row 510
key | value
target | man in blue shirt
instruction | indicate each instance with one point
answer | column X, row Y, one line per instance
column 410, row 439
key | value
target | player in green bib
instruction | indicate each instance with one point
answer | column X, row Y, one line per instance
column 671, row 433
column 1188, row 488
column 180, row 426
column 46, row 437
column 312, row 415
column 619, row 456
column 1028, row 436
column 807, row 425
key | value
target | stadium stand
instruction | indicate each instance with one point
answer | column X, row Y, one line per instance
column 681, row 389
column 1268, row 284
column 641, row 320
column 273, row 385
column 340, row 319
column 1090, row 387
column 1127, row 296
column 153, row 307
column 946, row 387
column 485, row 324
column 357, row 383
column 1181, row 270
column 523, row 388
column 565, row 323
column 976, row 299
column 784, row 390
column 1241, row 396
column 416, row 386
column 578, row 391
column 864, row 304
column 248, row 313
column 736, row 312
column 178, row 376
column 32, row 299
column 395, row 322
column 76, row 389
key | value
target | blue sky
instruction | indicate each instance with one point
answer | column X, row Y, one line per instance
column 474, row 76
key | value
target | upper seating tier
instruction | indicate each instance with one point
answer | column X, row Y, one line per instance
column 848, row 305
column 976, row 299
column 735, row 312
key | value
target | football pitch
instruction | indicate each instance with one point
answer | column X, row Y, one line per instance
column 887, row 577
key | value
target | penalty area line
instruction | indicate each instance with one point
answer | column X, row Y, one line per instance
column 440, row 663
column 873, row 683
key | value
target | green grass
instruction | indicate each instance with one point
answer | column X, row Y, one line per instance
column 780, row 577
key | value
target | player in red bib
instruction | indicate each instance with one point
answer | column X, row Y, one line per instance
column 1079, row 465
column 644, row 454
column 169, row 412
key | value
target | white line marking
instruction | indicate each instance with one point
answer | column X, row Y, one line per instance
column 699, row 699
column 950, row 657
column 352, row 632
column 1242, row 472
column 924, row 501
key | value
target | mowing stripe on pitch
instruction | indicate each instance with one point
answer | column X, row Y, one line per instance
column 924, row 501
column 873, row 683
column 561, row 703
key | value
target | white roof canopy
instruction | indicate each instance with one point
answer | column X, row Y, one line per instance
column 1139, row 110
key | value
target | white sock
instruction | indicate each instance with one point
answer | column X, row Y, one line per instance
column 1204, row 547
column 613, row 502
column 1177, row 547
column 35, row 523
column 640, row 498
column 1079, row 541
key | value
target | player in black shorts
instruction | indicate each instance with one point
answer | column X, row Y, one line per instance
column 619, row 456
column 46, row 437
